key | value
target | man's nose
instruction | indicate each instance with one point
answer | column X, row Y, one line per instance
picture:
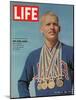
column 51, row 26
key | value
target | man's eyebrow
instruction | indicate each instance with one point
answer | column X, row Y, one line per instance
column 52, row 23
column 48, row 23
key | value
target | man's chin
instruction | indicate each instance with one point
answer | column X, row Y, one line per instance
column 52, row 38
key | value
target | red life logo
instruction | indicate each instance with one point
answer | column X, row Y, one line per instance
column 25, row 13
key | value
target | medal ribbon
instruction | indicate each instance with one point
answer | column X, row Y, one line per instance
column 43, row 61
column 52, row 62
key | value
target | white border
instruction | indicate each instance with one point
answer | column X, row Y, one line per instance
column 5, row 47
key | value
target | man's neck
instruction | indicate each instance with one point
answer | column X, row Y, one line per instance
column 51, row 44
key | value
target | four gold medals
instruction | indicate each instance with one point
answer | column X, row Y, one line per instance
column 53, row 69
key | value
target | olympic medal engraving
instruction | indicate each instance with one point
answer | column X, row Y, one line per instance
column 51, row 84
column 59, row 83
column 44, row 85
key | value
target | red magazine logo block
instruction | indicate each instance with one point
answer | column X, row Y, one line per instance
column 26, row 13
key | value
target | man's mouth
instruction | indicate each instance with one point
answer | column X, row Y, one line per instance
column 52, row 32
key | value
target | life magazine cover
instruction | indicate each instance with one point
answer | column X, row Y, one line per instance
column 42, row 49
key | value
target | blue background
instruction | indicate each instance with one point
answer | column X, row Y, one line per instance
column 31, row 31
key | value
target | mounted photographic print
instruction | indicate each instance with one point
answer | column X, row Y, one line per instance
column 41, row 49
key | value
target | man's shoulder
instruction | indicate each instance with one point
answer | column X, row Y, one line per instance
column 35, row 52
column 68, row 47
column 69, row 50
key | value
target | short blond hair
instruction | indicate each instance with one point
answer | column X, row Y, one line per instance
column 48, row 13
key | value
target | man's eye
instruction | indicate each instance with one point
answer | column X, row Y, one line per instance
column 48, row 24
column 55, row 24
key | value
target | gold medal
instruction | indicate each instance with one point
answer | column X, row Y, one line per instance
column 44, row 85
column 39, row 86
column 59, row 83
column 51, row 84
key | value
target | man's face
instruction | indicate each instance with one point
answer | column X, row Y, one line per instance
column 50, row 27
